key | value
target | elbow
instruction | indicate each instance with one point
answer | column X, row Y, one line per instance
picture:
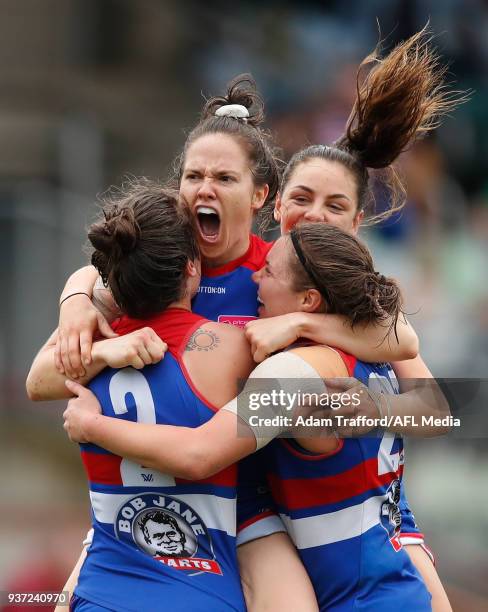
column 413, row 349
column 197, row 464
column 408, row 349
column 32, row 389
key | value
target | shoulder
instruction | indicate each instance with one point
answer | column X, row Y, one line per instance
column 258, row 250
column 325, row 360
column 217, row 335
column 216, row 356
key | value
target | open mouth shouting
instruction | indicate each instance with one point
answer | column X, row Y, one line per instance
column 208, row 222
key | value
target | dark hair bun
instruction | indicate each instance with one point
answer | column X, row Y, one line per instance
column 241, row 90
column 118, row 234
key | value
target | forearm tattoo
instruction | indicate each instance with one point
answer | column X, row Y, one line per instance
column 202, row 340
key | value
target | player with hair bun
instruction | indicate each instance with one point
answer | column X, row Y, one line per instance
column 160, row 538
column 339, row 498
column 222, row 177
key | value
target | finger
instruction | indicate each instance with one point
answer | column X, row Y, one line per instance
column 144, row 355
column 74, row 353
column 256, row 353
column 68, row 370
column 104, row 327
column 341, row 384
column 156, row 350
column 260, row 354
column 137, row 362
column 76, row 389
column 57, row 357
column 86, row 340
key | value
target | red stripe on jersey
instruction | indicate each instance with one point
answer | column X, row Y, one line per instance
column 225, row 478
column 102, row 469
column 172, row 326
column 255, row 519
column 349, row 360
column 419, row 536
column 298, row 493
column 253, row 258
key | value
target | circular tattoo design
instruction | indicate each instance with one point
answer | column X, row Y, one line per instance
column 202, row 340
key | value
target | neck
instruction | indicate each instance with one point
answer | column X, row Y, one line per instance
column 231, row 254
column 184, row 304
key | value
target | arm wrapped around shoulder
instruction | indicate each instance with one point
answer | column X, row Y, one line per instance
column 275, row 392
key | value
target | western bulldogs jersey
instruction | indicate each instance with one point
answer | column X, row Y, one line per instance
column 343, row 511
column 227, row 294
column 159, row 541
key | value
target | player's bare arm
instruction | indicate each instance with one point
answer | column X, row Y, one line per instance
column 137, row 349
column 369, row 343
column 80, row 321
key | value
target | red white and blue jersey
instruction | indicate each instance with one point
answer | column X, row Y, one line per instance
column 159, row 541
column 343, row 512
column 228, row 294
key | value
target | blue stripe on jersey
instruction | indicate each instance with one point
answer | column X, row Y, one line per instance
column 155, row 544
column 349, row 543
column 219, row 491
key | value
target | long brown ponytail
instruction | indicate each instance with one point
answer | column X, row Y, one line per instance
column 401, row 98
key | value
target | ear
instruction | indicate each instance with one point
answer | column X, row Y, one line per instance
column 358, row 219
column 192, row 268
column 259, row 196
column 312, row 301
column 277, row 208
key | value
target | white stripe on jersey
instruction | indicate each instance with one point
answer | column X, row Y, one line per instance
column 134, row 475
column 215, row 512
column 335, row 526
column 259, row 529
column 405, row 540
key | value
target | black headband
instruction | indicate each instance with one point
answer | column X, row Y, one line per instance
column 308, row 269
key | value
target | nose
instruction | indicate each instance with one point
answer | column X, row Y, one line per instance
column 256, row 276
column 206, row 189
column 315, row 214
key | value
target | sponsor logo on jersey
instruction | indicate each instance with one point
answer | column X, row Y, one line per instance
column 390, row 515
column 169, row 530
column 237, row 320
column 210, row 289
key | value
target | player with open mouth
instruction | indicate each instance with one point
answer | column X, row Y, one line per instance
column 227, row 166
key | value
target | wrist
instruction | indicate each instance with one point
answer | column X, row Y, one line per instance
column 90, row 424
column 98, row 353
column 300, row 322
column 73, row 295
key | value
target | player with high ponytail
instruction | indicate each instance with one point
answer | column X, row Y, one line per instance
column 226, row 176
column 402, row 97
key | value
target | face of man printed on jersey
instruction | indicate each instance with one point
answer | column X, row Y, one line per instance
column 163, row 536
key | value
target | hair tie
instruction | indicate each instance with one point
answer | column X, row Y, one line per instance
column 236, row 111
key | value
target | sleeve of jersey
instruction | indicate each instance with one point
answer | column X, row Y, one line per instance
column 410, row 533
column 256, row 513
column 88, row 538
column 265, row 404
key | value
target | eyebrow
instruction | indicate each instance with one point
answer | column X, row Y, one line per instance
column 334, row 195
column 215, row 172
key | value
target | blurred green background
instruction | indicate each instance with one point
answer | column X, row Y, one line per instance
column 94, row 90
